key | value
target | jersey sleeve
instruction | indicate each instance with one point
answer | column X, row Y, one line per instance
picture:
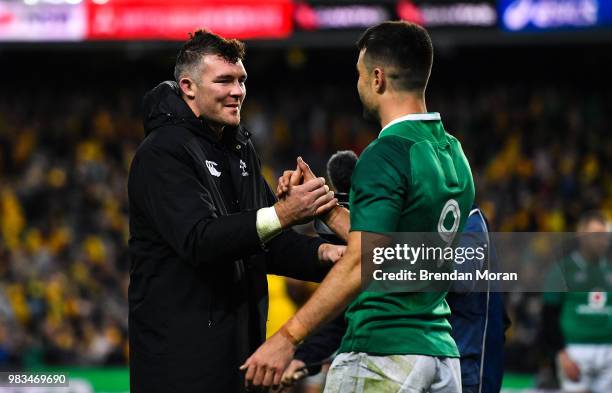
column 379, row 185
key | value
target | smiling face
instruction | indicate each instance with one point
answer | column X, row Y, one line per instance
column 217, row 90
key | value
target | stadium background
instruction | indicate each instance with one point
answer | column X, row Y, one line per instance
column 528, row 98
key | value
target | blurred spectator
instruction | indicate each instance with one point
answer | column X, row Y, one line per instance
column 577, row 315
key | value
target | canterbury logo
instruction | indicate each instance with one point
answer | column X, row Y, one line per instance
column 212, row 168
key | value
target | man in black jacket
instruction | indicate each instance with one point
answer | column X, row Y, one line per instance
column 205, row 229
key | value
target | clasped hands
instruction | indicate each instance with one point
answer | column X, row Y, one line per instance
column 302, row 196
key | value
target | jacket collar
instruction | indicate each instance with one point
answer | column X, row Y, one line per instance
column 231, row 135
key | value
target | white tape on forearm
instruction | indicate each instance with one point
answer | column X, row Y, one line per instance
column 268, row 225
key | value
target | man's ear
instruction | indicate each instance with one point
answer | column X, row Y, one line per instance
column 188, row 87
column 379, row 81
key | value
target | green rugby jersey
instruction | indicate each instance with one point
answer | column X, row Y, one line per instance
column 413, row 178
column 586, row 307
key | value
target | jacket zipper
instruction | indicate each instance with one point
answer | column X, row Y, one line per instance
column 210, row 311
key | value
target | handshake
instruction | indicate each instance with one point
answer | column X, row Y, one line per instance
column 302, row 196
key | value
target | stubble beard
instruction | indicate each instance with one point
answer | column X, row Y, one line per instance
column 370, row 114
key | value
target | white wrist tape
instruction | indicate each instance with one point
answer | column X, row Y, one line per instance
column 268, row 225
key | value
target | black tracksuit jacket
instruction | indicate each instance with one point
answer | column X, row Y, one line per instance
column 198, row 293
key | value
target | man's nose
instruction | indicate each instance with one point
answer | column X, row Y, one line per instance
column 237, row 89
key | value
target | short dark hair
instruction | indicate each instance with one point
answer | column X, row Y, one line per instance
column 201, row 43
column 404, row 46
column 340, row 168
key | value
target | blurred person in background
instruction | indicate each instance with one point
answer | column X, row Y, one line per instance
column 205, row 229
column 402, row 338
column 478, row 313
column 577, row 313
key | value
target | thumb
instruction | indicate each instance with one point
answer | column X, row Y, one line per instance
column 246, row 364
column 296, row 177
column 304, row 167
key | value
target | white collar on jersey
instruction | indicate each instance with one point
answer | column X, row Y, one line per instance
column 413, row 117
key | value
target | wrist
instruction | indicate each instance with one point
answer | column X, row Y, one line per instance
column 283, row 332
column 279, row 208
column 332, row 215
column 294, row 331
column 267, row 223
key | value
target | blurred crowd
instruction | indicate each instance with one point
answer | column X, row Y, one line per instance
column 540, row 156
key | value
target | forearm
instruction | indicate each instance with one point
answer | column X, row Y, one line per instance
column 336, row 291
column 224, row 238
column 297, row 256
column 233, row 236
column 339, row 221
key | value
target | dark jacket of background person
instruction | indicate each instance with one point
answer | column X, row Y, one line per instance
column 479, row 318
column 198, row 290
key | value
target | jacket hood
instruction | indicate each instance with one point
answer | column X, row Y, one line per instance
column 164, row 105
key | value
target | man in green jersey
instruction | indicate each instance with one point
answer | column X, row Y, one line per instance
column 413, row 178
column 578, row 310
